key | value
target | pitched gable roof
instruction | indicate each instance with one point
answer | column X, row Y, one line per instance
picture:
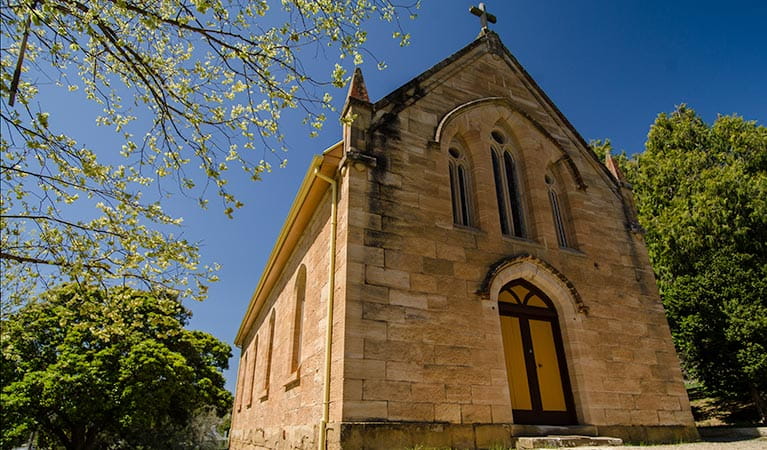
column 488, row 42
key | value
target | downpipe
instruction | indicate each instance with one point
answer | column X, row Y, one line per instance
column 322, row 444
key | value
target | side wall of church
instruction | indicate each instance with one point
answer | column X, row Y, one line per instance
column 284, row 409
column 422, row 344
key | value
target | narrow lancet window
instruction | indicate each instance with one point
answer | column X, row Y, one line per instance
column 268, row 372
column 253, row 368
column 298, row 319
column 460, row 188
column 507, row 189
column 558, row 214
column 241, row 378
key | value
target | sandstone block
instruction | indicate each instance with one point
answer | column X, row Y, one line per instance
column 502, row 413
column 447, row 412
column 489, row 395
column 453, row 355
column 364, row 369
column 493, row 436
column 427, row 392
column 387, row 277
column 365, row 410
column 644, row 417
column 450, row 252
column 404, row 371
column 371, row 256
column 386, row 390
column 383, row 312
column 423, row 283
column 409, row 299
column 456, row 393
column 476, row 414
column 388, row 350
column 411, row 411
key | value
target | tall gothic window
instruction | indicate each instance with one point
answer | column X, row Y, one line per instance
column 560, row 223
column 268, row 371
column 253, row 368
column 298, row 319
column 507, row 187
column 241, row 379
column 460, row 188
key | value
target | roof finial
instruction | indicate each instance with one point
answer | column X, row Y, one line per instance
column 484, row 16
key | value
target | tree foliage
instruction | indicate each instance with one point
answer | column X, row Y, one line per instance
column 191, row 88
column 701, row 194
column 86, row 369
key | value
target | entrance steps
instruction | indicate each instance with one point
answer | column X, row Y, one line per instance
column 531, row 442
column 546, row 436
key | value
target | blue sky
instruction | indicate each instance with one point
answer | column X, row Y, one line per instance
column 610, row 67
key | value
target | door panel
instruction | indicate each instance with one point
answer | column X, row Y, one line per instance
column 515, row 363
column 547, row 366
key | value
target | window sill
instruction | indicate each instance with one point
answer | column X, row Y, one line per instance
column 264, row 395
column 572, row 251
column 468, row 228
column 293, row 380
column 520, row 240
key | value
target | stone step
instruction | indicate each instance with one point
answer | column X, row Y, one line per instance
column 529, row 442
column 549, row 430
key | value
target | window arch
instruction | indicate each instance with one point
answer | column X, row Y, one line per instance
column 460, row 187
column 558, row 212
column 507, row 189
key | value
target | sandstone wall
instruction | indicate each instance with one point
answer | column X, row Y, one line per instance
column 288, row 413
column 421, row 344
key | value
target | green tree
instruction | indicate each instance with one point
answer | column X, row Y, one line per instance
column 191, row 88
column 86, row 368
column 701, row 194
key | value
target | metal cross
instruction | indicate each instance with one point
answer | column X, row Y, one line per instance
column 484, row 16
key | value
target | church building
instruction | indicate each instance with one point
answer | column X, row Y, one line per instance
column 459, row 271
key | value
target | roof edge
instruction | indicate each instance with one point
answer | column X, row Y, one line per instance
column 397, row 93
column 266, row 282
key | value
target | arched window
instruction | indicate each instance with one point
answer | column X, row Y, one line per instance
column 270, row 347
column 254, row 366
column 558, row 213
column 298, row 319
column 241, row 379
column 507, row 187
column 460, row 187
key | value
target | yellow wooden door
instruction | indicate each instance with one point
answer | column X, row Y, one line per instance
column 535, row 366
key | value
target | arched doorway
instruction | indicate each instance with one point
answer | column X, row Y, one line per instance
column 536, row 367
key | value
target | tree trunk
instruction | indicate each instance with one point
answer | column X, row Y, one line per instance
column 759, row 401
column 77, row 440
